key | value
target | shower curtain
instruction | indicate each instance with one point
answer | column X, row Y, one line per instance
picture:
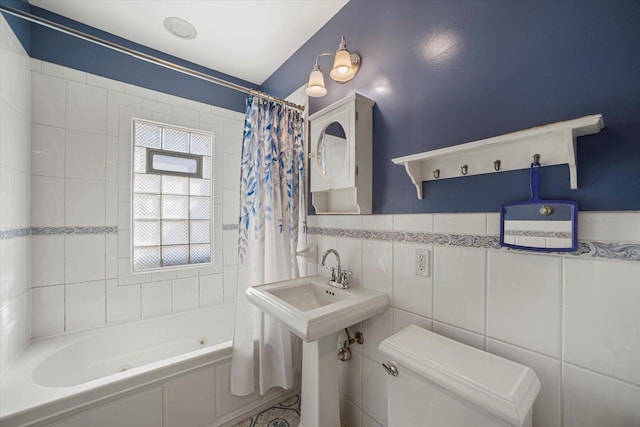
column 272, row 222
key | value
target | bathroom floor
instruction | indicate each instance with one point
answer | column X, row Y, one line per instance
column 284, row 414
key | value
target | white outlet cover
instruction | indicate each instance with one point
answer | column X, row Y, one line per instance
column 423, row 262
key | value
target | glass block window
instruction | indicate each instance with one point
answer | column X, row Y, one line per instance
column 172, row 216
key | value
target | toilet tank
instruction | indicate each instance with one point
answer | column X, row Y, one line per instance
column 444, row 383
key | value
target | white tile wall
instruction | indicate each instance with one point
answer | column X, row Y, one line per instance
column 351, row 259
column 84, row 258
column 47, row 201
column 376, row 222
column 457, row 272
column 461, row 335
column 86, row 107
column 84, row 202
column 232, row 179
column 374, row 391
column 230, row 284
column 572, row 320
column 47, row 150
column 402, row 319
column 49, row 301
column 413, row 222
column 16, row 270
column 48, row 100
column 609, row 226
column 185, row 293
column 377, row 257
column 350, row 378
column 84, row 305
column 123, row 302
column 81, row 177
column 47, row 263
column 525, row 300
column 602, row 317
column 376, row 329
column 156, row 298
column 211, row 289
column 15, row 195
column 460, row 223
column 594, row 400
column 411, row 293
column 85, row 155
column 230, row 247
column 367, row 421
column 349, row 412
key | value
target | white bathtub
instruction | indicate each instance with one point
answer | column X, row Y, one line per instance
column 150, row 373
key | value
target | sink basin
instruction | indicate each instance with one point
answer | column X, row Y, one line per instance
column 312, row 309
column 307, row 296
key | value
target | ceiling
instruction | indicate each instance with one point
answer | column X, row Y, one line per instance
column 248, row 39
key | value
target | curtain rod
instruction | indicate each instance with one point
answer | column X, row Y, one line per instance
column 145, row 57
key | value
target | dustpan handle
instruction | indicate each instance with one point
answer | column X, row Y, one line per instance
column 535, row 181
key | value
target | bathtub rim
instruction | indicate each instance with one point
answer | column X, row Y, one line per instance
column 70, row 400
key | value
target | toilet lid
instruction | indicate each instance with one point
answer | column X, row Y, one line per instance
column 501, row 387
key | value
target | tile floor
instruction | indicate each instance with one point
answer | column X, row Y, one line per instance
column 284, row 414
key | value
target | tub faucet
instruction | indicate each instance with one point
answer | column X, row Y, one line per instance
column 338, row 278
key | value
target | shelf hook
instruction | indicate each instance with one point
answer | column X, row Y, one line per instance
column 536, row 159
column 496, row 165
column 436, row 173
column 464, row 169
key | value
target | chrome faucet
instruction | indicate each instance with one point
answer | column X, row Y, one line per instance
column 338, row 278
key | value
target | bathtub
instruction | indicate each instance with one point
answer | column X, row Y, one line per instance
column 168, row 371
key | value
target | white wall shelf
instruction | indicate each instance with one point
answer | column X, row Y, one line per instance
column 555, row 143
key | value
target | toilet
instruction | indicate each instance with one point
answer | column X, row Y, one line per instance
column 437, row 382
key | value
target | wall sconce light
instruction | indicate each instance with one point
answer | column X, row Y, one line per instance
column 345, row 67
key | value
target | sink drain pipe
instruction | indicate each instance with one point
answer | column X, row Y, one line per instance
column 344, row 352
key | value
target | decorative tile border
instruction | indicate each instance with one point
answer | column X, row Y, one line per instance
column 12, row 234
column 108, row 229
column 46, row 231
column 586, row 248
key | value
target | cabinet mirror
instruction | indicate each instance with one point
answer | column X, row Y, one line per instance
column 332, row 152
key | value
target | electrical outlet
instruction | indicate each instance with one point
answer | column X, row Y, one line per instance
column 422, row 262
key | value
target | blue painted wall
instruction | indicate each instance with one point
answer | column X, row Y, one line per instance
column 452, row 71
column 59, row 48
column 19, row 26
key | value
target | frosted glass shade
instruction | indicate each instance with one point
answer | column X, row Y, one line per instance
column 342, row 70
column 315, row 87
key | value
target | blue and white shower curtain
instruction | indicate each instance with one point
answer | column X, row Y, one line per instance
column 272, row 222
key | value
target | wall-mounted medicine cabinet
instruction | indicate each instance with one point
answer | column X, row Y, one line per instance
column 340, row 157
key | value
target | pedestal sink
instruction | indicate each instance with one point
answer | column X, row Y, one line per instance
column 316, row 312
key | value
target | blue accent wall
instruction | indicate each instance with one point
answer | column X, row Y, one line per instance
column 19, row 26
column 69, row 51
column 448, row 72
